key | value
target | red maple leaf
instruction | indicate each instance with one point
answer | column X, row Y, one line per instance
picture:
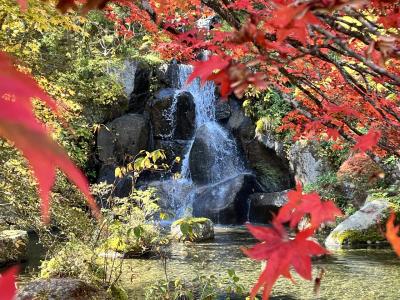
column 300, row 204
column 205, row 69
column 392, row 232
column 8, row 289
column 281, row 253
column 367, row 141
column 19, row 125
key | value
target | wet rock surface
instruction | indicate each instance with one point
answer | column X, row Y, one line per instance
column 225, row 202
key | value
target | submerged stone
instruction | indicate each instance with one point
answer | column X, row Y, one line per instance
column 361, row 227
column 193, row 229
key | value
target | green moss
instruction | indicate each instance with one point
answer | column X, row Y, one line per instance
column 190, row 221
column 372, row 234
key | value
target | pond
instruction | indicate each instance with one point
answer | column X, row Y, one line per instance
column 350, row 274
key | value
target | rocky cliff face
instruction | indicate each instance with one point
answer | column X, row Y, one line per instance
column 224, row 163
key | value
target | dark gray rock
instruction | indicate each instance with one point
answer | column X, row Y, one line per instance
column 225, row 202
column 126, row 135
column 173, row 149
column 135, row 78
column 222, row 111
column 172, row 114
column 122, row 186
column 272, row 171
column 201, row 157
column 60, row 288
column 169, row 75
column 262, row 206
column 13, row 246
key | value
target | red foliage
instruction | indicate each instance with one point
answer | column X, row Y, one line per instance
column 279, row 249
column 8, row 289
column 19, row 125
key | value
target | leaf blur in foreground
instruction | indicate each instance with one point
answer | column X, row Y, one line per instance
column 19, row 125
column 283, row 252
column 392, row 232
column 7, row 284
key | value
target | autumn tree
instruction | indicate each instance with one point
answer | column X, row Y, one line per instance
column 335, row 61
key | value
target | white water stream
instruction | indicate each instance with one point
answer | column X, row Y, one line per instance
column 226, row 159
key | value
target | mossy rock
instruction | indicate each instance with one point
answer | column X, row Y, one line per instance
column 13, row 245
column 362, row 227
column 193, row 229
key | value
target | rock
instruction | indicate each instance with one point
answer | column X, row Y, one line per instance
column 272, row 172
column 122, row 186
column 306, row 163
column 225, row 202
column 13, row 246
column 173, row 149
column 213, row 155
column 169, row 75
column 360, row 227
column 268, row 139
column 172, row 114
column 222, row 111
column 126, row 135
column 174, row 195
column 262, row 206
column 60, row 288
column 193, row 229
column 135, row 78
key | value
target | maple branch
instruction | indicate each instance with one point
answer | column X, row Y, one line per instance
column 223, row 12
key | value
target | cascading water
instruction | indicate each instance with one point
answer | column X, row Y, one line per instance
column 226, row 161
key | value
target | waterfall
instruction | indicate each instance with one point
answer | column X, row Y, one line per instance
column 226, row 159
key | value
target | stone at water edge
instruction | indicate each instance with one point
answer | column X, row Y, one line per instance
column 361, row 227
column 225, row 202
column 202, row 229
column 262, row 206
column 13, row 246
column 61, row 288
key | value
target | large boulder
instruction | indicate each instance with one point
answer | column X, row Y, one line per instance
column 126, row 135
column 135, row 78
column 193, row 229
column 172, row 114
column 262, row 206
column 13, row 246
column 61, row 288
column 213, row 155
column 173, row 149
column 225, row 202
column 272, row 171
column 169, row 75
column 361, row 227
column 222, row 110
column 307, row 164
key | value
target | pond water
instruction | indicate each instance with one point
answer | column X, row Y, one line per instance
column 350, row 274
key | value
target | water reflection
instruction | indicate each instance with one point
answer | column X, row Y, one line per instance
column 351, row 274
